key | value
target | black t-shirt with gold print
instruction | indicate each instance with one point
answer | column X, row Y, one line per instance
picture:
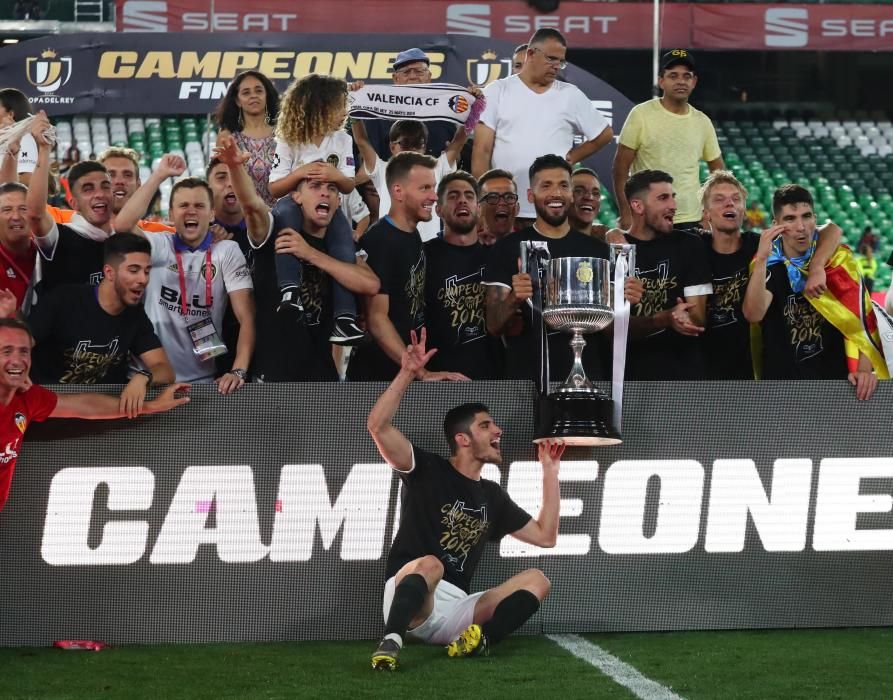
column 454, row 311
column 398, row 258
column 798, row 342
column 672, row 266
column 447, row 515
column 78, row 342
column 727, row 334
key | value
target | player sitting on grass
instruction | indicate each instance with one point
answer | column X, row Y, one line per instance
column 448, row 514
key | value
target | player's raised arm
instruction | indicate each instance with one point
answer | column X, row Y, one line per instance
column 543, row 529
column 391, row 443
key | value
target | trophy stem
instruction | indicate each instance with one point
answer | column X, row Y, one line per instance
column 577, row 379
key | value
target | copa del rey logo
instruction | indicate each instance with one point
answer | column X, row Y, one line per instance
column 487, row 68
column 694, row 507
column 49, row 71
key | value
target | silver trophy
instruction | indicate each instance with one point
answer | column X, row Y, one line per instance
column 577, row 299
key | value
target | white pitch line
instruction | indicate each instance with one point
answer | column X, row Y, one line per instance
column 618, row 671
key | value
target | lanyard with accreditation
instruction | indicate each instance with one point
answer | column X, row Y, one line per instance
column 206, row 341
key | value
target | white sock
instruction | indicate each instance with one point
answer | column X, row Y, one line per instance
column 393, row 636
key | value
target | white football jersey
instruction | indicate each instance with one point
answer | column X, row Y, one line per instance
column 162, row 298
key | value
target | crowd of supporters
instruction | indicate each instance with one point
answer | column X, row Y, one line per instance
column 317, row 244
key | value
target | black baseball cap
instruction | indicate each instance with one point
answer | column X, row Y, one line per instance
column 677, row 57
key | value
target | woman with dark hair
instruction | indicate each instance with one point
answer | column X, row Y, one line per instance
column 249, row 111
column 14, row 107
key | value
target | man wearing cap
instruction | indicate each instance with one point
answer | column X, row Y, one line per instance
column 670, row 135
column 411, row 67
column 533, row 114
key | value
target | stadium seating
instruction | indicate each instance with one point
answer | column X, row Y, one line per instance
column 152, row 137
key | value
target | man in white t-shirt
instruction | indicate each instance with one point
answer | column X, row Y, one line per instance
column 193, row 279
column 532, row 114
column 407, row 135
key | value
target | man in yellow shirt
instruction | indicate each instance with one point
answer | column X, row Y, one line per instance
column 668, row 134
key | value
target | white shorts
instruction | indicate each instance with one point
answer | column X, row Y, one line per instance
column 453, row 612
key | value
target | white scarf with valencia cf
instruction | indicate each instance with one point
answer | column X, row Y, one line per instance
column 432, row 101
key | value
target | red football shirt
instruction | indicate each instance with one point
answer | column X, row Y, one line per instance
column 36, row 404
column 15, row 271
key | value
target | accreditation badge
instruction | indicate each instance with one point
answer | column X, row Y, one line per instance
column 206, row 341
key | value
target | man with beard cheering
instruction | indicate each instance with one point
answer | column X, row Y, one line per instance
column 665, row 327
column 509, row 288
column 454, row 294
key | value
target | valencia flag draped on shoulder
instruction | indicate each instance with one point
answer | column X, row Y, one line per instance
column 847, row 305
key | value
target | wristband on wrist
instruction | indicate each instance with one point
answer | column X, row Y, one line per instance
column 146, row 373
column 240, row 373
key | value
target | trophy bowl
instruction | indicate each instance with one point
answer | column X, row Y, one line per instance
column 577, row 300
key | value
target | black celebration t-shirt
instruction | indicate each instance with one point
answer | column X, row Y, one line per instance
column 454, row 311
column 286, row 351
column 671, row 266
column 78, row 342
column 798, row 343
column 398, row 258
column 447, row 515
column 727, row 334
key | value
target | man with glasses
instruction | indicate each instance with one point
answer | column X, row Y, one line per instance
column 411, row 67
column 532, row 114
column 498, row 205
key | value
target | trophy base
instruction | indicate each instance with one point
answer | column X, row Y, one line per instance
column 583, row 419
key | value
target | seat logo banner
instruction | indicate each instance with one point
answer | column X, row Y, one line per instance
column 757, row 27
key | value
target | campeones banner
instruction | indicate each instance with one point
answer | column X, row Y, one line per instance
column 827, row 27
column 189, row 73
column 734, row 505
